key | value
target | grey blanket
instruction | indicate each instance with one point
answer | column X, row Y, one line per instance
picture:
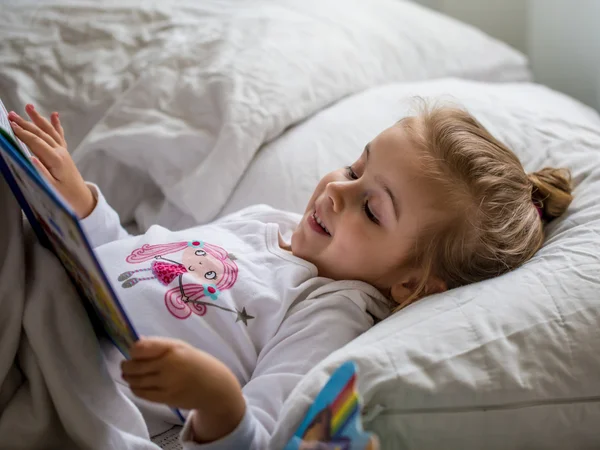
column 55, row 391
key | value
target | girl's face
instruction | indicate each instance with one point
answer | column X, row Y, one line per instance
column 202, row 264
column 362, row 222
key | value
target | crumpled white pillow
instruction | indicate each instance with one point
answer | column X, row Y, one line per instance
column 511, row 362
column 175, row 99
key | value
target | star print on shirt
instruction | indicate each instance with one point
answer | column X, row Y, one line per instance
column 243, row 316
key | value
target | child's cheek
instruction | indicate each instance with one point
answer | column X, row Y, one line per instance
column 352, row 245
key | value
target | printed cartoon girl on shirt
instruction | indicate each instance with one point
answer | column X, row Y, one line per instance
column 213, row 269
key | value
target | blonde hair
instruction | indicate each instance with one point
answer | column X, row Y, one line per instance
column 496, row 210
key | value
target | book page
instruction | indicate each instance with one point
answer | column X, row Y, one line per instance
column 333, row 421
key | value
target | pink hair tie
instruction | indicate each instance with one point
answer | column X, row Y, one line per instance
column 539, row 210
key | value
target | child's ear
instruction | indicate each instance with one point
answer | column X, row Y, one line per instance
column 403, row 292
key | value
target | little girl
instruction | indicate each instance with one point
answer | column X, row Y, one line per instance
column 249, row 303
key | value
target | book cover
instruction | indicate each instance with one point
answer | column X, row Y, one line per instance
column 58, row 228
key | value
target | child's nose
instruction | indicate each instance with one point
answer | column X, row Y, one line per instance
column 335, row 192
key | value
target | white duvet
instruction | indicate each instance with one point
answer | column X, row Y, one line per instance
column 167, row 103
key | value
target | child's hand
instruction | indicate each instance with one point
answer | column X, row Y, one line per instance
column 167, row 371
column 177, row 374
column 46, row 140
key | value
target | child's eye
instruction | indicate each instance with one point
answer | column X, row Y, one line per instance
column 351, row 173
column 370, row 214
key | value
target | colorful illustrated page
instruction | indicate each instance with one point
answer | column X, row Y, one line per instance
column 333, row 421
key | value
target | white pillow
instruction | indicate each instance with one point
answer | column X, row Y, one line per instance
column 179, row 97
column 507, row 363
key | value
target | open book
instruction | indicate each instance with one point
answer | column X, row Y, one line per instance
column 58, row 228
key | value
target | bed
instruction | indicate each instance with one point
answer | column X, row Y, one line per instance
column 184, row 114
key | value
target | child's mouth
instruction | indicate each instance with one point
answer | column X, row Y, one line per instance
column 317, row 224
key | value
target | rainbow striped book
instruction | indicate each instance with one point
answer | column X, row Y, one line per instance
column 333, row 420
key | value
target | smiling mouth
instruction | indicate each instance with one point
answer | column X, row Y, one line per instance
column 320, row 223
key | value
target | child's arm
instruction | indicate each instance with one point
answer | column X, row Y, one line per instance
column 103, row 224
column 224, row 417
column 46, row 140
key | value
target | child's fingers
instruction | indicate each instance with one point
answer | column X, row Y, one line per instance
column 135, row 368
column 153, row 381
column 55, row 120
column 152, row 395
column 43, row 123
column 32, row 128
column 38, row 146
column 150, row 348
column 42, row 169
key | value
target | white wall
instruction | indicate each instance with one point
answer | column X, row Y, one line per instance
column 503, row 19
column 561, row 37
column 564, row 46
